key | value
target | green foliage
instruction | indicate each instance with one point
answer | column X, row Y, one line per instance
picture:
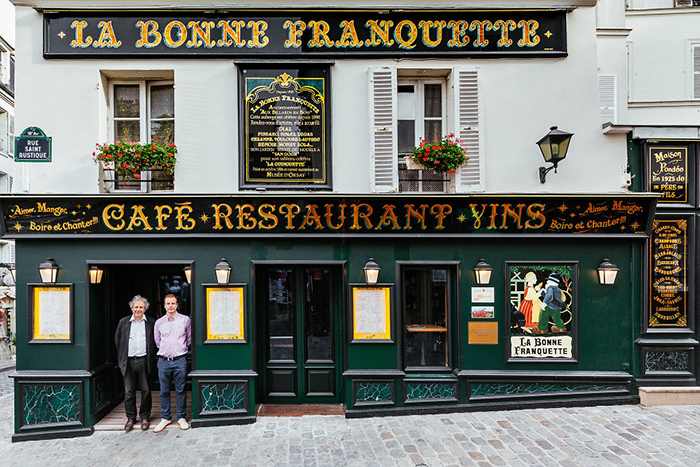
column 441, row 155
column 128, row 158
column 565, row 271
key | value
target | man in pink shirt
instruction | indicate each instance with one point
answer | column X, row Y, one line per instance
column 173, row 336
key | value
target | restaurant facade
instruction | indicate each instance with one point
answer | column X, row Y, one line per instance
column 317, row 265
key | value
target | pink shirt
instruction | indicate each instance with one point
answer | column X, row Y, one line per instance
column 173, row 336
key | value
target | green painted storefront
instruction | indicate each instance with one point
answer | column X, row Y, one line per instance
column 63, row 389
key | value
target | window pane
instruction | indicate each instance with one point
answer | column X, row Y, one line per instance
column 162, row 101
column 424, row 293
column 433, row 129
column 164, row 131
column 407, row 136
column 433, row 100
column 127, row 130
column 318, row 323
column 126, row 101
column 280, row 312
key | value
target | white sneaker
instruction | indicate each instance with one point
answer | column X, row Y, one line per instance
column 161, row 425
column 183, row 424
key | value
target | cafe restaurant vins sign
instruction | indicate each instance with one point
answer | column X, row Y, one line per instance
column 325, row 215
column 266, row 33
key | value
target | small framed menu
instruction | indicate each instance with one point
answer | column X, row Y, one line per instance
column 50, row 314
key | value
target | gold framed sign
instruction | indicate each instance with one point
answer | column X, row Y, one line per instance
column 225, row 313
column 372, row 313
column 50, row 313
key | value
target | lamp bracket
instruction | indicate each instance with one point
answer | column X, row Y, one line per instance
column 545, row 171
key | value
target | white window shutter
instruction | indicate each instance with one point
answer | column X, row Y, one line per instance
column 382, row 126
column 469, row 117
column 607, row 92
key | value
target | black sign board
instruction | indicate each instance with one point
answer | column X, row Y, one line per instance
column 668, row 269
column 33, row 146
column 285, row 33
column 388, row 216
column 668, row 172
column 284, row 127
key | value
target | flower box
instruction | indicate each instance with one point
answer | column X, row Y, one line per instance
column 440, row 155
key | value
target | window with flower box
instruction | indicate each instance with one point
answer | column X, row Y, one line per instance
column 142, row 112
column 409, row 105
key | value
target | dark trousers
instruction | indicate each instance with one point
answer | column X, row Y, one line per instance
column 175, row 371
column 136, row 377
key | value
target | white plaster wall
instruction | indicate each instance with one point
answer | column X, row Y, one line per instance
column 7, row 22
column 522, row 99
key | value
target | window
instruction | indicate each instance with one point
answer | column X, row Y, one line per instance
column 143, row 111
column 409, row 104
column 425, row 300
column 420, row 115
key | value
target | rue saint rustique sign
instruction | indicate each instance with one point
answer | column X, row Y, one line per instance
column 285, row 33
column 326, row 215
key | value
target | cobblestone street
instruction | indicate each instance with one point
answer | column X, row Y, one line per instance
column 595, row 436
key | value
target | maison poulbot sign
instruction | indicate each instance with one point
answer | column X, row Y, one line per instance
column 326, row 215
column 263, row 33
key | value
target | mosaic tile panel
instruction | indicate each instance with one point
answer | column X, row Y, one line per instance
column 51, row 403
column 484, row 389
column 426, row 391
column 223, row 396
column 373, row 392
column 676, row 360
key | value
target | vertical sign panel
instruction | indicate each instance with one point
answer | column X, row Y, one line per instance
column 668, row 271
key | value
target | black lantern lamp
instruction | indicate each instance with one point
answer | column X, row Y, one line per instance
column 371, row 272
column 95, row 275
column 607, row 272
column 483, row 271
column 222, row 271
column 188, row 274
column 48, row 270
column 553, row 146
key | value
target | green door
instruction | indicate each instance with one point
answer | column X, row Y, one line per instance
column 301, row 344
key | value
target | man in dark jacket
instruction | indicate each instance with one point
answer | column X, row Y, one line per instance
column 136, row 353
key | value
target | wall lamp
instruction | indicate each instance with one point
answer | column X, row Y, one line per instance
column 222, row 271
column 607, row 272
column 48, row 270
column 483, row 271
column 553, row 146
column 95, row 275
column 371, row 272
column 188, row 274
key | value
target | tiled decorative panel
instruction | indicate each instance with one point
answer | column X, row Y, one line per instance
column 418, row 392
column 673, row 360
column 373, row 392
column 223, row 396
column 506, row 389
column 51, row 403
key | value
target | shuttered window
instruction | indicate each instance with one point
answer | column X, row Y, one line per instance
column 464, row 121
column 607, row 93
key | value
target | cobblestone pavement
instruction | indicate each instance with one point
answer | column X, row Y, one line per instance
column 595, row 436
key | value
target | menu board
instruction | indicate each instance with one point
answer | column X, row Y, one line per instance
column 51, row 313
column 668, row 271
column 668, row 172
column 284, row 118
column 225, row 313
column 371, row 314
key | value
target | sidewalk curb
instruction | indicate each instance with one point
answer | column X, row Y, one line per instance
column 8, row 368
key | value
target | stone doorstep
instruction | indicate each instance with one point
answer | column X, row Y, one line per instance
column 662, row 395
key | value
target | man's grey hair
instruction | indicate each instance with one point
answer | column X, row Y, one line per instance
column 138, row 298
